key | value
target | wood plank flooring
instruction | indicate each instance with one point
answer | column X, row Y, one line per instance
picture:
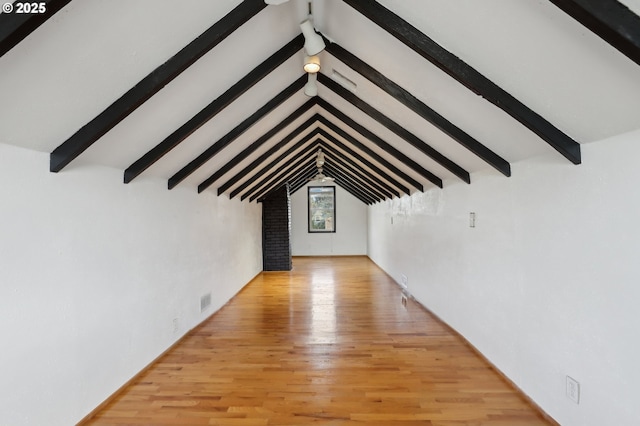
column 328, row 343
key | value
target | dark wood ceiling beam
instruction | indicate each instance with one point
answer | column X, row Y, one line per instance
column 296, row 181
column 409, row 137
column 468, row 76
column 343, row 147
column 332, row 169
column 282, row 178
column 420, row 108
column 611, row 20
column 344, row 184
column 256, row 163
column 294, row 184
column 257, row 174
column 388, row 148
column 236, row 132
column 15, row 27
column 359, row 171
column 151, row 84
column 287, row 175
column 306, row 157
column 370, row 154
column 259, row 142
column 335, row 171
column 302, row 180
column 211, row 110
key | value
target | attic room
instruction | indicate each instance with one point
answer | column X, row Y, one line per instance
column 480, row 154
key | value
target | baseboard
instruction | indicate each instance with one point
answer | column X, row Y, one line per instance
column 503, row 376
column 330, row 255
column 129, row 382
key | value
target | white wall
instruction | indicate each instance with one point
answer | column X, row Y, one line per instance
column 546, row 285
column 350, row 237
column 94, row 272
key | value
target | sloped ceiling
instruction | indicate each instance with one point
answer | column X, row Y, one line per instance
column 92, row 54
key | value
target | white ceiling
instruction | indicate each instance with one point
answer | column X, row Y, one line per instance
column 92, row 51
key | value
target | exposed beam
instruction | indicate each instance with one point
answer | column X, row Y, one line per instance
column 151, row 84
column 334, row 171
column 211, row 110
column 420, row 108
column 303, row 180
column 257, row 162
column 610, row 20
column 257, row 174
column 271, row 163
column 343, row 181
column 272, row 178
column 294, row 184
column 398, row 130
column 467, row 76
column 15, row 27
column 380, row 143
column 283, row 178
column 366, row 162
column 297, row 181
column 339, row 181
column 360, row 172
column 255, row 145
column 309, row 152
column 237, row 131
column 300, row 183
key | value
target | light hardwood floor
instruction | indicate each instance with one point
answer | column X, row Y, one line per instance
column 328, row 343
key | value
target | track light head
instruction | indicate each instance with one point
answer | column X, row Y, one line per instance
column 311, row 88
column 313, row 42
column 320, row 158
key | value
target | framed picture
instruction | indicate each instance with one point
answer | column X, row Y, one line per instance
column 322, row 208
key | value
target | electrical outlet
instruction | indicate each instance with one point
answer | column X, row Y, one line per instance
column 404, row 281
column 573, row 390
column 176, row 325
column 472, row 220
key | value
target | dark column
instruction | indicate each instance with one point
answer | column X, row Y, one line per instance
column 276, row 231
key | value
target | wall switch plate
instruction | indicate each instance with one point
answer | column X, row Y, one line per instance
column 573, row 390
column 176, row 325
column 472, row 220
column 205, row 301
column 404, row 281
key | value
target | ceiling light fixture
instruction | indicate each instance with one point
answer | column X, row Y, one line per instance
column 313, row 42
column 320, row 158
column 311, row 89
column 311, row 64
column 319, row 163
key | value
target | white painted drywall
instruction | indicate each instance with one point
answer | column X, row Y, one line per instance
column 350, row 237
column 546, row 285
column 93, row 273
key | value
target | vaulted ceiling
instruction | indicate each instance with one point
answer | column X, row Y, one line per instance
column 209, row 94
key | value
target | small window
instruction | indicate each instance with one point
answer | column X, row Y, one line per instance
column 322, row 209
